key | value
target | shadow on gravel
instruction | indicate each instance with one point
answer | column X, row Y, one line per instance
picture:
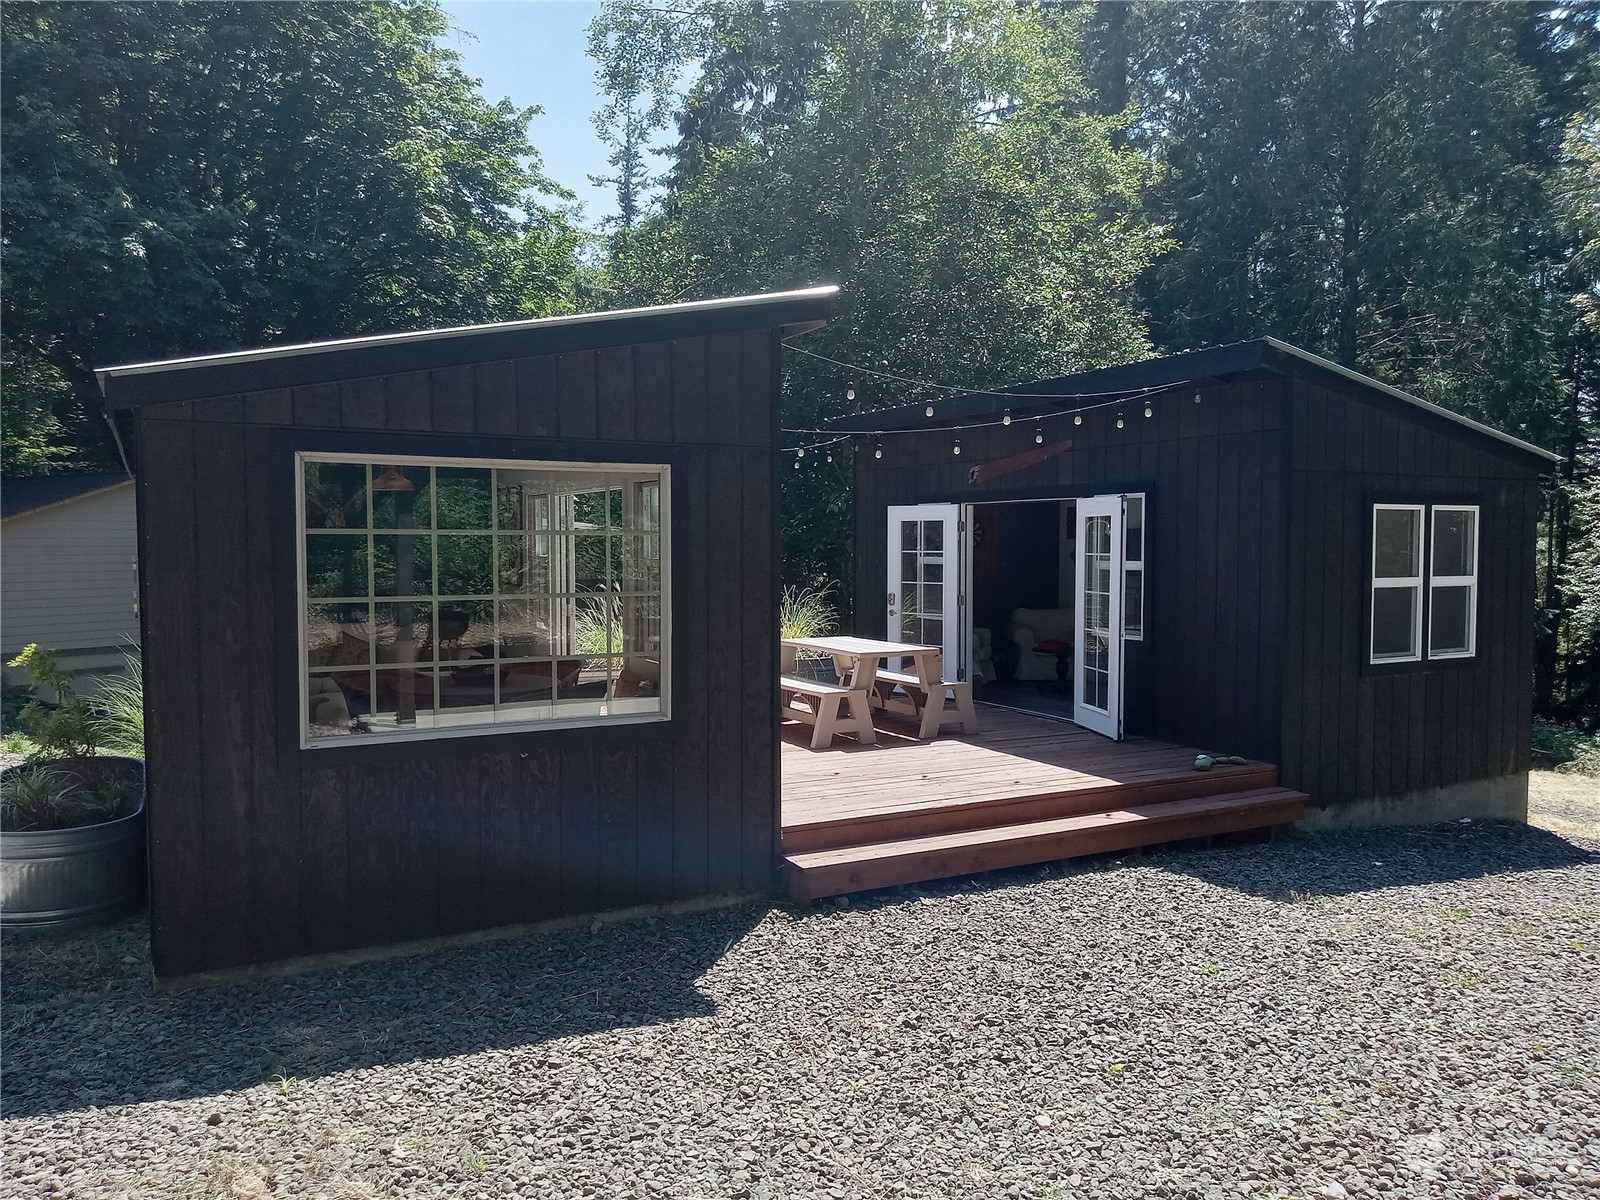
column 1342, row 863
column 82, row 1025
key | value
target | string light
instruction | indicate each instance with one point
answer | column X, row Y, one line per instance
column 1077, row 418
column 850, row 392
column 800, row 453
column 1006, row 420
column 796, row 464
column 1197, row 397
column 877, row 451
column 830, row 455
column 957, row 448
column 928, row 411
column 1148, row 411
column 1119, row 420
column 1038, row 434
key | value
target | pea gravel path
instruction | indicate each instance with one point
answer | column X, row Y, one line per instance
column 1399, row 1014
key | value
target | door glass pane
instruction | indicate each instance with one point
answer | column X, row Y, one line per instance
column 1448, row 633
column 1133, row 601
column 1396, row 539
column 1394, row 612
column 908, row 535
column 1452, row 542
column 1095, row 654
column 933, row 536
column 908, row 568
column 1133, row 530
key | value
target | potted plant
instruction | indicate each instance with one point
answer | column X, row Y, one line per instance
column 806, row 613
column 72, row 844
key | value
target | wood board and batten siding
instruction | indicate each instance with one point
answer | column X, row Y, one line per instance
column 1206, row 673
column 1352, row 731
column 262, row 850
column 1259, row 560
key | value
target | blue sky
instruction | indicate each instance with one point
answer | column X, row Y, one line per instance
column 535, row 52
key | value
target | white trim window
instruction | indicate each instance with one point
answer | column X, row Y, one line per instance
column 1396, row 633
column 1453, row 581
column 1424, row 574
column 447, row 597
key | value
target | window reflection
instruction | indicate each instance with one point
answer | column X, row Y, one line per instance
column 439, row 596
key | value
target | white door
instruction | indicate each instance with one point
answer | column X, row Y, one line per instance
column 926, row 564
column 1097, row 669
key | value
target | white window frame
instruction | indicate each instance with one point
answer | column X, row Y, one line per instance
column 1130, row 565
column 487, row 728
column 1468, row 581
column 1415, row 583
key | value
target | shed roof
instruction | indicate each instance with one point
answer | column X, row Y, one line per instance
column 1190, row 366
column 134, row 384
column 19, row 496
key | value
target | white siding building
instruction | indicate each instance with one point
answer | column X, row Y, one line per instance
column 68, row 569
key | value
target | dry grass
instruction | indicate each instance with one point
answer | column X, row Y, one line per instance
column 1564, row 802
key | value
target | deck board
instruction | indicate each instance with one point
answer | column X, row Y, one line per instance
column 1015, row 756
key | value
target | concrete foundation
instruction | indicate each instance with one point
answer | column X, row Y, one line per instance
column 1504, row 798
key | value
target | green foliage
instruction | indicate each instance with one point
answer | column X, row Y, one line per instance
column 806, row 612
column 936, row 160
column 43, row 795
column 189, row 177
column 1566, row 747
column 121, row 707
column 68, row 729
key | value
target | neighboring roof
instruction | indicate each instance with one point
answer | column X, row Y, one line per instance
column 135, row 384
column 1261, row 354
column 19, row 496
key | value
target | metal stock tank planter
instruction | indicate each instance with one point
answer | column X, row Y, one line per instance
column 61, row 879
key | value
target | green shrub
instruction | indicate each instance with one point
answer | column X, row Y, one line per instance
column 1565, row 748
column 67, row 729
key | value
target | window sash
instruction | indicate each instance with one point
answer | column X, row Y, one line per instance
column 1468, row 581
column 1412, row 583
column 650, row 595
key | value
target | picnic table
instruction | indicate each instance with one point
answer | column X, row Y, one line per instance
column 932, row 699
column 856, row 659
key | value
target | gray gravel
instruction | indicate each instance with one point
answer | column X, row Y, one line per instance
column 1401, row 1014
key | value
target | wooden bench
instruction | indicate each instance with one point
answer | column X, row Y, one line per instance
column 936, row 711
column 830, row 708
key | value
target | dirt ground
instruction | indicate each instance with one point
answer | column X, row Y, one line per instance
column 1564, row 803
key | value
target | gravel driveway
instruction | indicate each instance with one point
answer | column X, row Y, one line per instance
column 1392, row 1013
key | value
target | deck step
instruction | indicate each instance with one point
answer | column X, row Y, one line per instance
column 836, row 872
column 928, row 818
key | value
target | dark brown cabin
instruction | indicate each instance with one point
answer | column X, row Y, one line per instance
column 458, row 629
column 1247, row 549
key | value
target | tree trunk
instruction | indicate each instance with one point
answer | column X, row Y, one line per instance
column 1352, row 185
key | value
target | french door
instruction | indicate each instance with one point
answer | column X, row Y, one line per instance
column 1101, row 566
column 926, row 580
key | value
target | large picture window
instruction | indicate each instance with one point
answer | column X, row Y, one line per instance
column 442, row 596
column 1424, row 575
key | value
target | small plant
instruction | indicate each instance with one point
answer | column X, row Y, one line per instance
column 806, row 612
column 17, row 742
column 285, row 1084
column 67, row 729
column 121, row 705
column 1212, row 969
column 30, row 795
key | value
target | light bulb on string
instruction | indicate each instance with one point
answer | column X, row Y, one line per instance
column 956, row 449
column 928, row 411
column 1006, row 420
column 1197, row 397
column 850, row 392
column 800, row 453
column 1038, row 434
column 1119, row 420
column 1077, row 419
column 1148, row 411
column 877, row 451
column 796, row 464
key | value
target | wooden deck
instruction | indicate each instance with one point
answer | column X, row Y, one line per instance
column 1024, row 790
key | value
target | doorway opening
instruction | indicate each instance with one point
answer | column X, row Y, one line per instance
column 1023, row 577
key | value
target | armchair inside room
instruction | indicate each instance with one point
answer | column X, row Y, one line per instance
column 1043, row 637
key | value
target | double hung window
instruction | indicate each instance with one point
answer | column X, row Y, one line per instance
column 1424, row 582
column 447, row 596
